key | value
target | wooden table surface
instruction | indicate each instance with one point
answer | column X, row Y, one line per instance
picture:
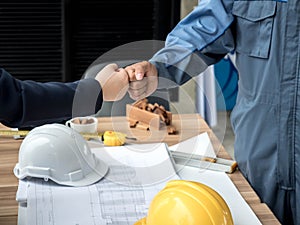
column 187, row 126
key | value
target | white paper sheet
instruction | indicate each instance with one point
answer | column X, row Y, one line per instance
column 198, row 145
column 241, row 212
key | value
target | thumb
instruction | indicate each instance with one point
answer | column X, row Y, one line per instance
column 140, row 72
column 139, row 76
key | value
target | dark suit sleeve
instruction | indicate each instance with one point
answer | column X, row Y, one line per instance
column 29, row 103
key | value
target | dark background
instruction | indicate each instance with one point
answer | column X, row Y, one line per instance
column 56, row 40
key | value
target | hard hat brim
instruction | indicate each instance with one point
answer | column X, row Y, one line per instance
column 141, row 221
column 94, row 176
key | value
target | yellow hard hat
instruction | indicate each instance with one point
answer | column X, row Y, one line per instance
column 184, row 202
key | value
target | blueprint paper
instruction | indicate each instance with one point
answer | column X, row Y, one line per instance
column 121, row 198
column 148, row 163
column 124, row 195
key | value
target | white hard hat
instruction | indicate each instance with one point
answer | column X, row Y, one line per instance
column 59, row 153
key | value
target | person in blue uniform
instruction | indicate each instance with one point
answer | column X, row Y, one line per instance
column 265, row 36
column 29, row 103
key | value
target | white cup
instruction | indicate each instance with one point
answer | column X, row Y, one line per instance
column 86, row 124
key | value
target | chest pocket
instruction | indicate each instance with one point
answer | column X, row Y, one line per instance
column 254, row 24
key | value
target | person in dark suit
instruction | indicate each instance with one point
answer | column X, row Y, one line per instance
column 29, row 103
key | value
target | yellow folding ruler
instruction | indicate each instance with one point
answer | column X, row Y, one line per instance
column 111, row 138
column 23, row 133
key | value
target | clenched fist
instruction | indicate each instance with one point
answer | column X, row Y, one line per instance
column 114, row 82
column 143, row 79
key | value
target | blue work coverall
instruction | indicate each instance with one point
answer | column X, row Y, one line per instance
column 265, row 35
column 29, row 104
